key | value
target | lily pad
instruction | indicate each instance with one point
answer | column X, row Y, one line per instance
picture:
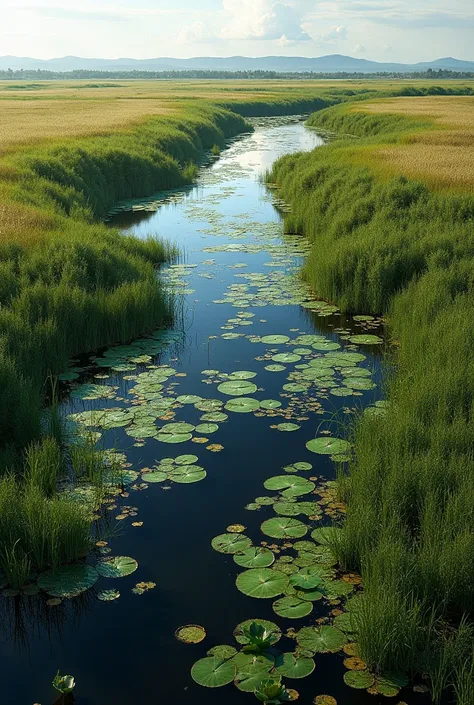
column 206, row 428
column 116, row 566
column 389, row 684
column 288, row 427
column 358, row 679
column 187, row 474
column 186, row 459
column 305, row 580
column 213, row 672
column 262, row 582
column 270, row 404
column 242, row 374
column 243, row 405
column 292, row 607
column 291, row 665
column 255, row 557
column 284, row 527
column 190, row 634
column 272, row 628
column 231, row 543
column 275, row 339
column 237, row 388
column 155, row 476
column 286, row 357
column 223, row 651
column 323, row 639
column 366, row 339
column 68, row 580
column 108, row 595
column 173, row 437
column 328, row 446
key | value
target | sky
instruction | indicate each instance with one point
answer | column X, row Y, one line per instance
column 381, row 30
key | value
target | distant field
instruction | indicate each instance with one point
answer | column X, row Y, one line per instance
column 443, row 155
column 50, row 110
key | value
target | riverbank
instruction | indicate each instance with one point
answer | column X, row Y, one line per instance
column 386, row 243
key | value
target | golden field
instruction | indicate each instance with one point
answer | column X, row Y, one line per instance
column 444, row 155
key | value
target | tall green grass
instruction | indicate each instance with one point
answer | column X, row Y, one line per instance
column 395, row 247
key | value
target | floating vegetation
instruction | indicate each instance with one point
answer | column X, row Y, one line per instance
column 116, row 567
column 191, row 634
column 69, row 580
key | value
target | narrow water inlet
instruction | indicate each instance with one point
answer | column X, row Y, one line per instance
column 238, row 283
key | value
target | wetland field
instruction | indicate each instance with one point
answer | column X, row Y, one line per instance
column 236, row 424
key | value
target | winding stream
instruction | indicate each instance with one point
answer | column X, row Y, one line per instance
column 237, row 282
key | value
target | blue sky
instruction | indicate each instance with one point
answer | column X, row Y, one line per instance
column 384, row 30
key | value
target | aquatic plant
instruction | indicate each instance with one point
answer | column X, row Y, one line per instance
column 65, row 684
column 271, row 692
column 258, row 638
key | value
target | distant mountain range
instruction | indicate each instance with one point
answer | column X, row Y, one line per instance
column 322, row 64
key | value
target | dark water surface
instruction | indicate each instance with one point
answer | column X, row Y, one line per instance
column 124, row 652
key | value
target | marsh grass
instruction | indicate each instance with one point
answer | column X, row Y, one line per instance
column 392, row 245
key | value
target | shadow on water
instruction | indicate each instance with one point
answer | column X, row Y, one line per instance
column 124, row 652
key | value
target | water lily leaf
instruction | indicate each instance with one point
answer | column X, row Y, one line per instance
column 116, row 566
column 180, row 427
column 173, row 437
column 294, row 666
column 231, row 543
column 366, row 339
column 358, row 679
column 305, row 580
column 255, row 557
column 68, row 580
column 222, row 651
column 288, row 427
column 323, row 639
column 292, row 607
column 190, row 634
column 345, row 623
column 389, row 684
column 284, row 527
column 155, row 476
column 186, row 459
column 262, row 582
column 189, row 399
column 270, row 404
column 243, row 405
column 272, row 628
column 325, row 345
column 275, row 339
column 215, row 417
column 242, row 374
column 187, row 474
column 286, row 357
column 328, row 446
column 324, row 700
column 237, row 388
column 213, row 672
column 275, row 368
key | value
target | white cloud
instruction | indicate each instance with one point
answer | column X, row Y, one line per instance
column 333, row 35
column 196, row 32
column 264, row 19
column 359, row 49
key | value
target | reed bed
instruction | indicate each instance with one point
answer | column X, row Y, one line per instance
column 394, row 245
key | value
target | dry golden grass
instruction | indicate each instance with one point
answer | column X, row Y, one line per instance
column 444, row 155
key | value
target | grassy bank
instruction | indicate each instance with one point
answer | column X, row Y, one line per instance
column 392, row 244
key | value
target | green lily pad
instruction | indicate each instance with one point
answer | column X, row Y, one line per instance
column 206, row 428
column 358, row 679
column 237, row 388
column 190, row 634
column 262, row 582
column 323, row 639
column 188, row 399
column 155, row 476
column 243, row 405
column 68, row 580
column 187, row 474
column 292, row 607
column 294, row 666
column 366, row 339
column 213, row 672
column 215, row 417
column 272, row 628
column 275, row 339
column 305, row 580
column 288, row 427
column 255, row 557
column 180, row 427
column 173, row 437
column 186, row 459
column 223, row 651
column 270, row 404
column 116, row 566
column 275, row 368
column 242, row 374
column 286, row 357
column 231, row 543
column 325, row 345
column 283, row 527
column 328, row 446
column 345, row 622
column 390, row 684
column 325, row 535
